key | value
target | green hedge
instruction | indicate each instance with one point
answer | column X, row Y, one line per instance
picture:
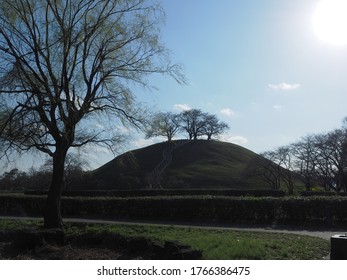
column 16, row 204
column 323, row 211
column 180, row 192
column 322, row 193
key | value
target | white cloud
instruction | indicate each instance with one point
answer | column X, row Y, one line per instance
column 227, row 112
column 284, row 86
column 235, row 139
column 141, row 142
column 278, row 108
column 182, row 107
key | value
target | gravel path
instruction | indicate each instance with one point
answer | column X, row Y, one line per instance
column 322, row 233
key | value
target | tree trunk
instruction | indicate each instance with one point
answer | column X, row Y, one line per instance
column 169, row 137
column 52, row 214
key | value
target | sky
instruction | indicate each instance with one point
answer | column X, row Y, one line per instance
column 259, row 65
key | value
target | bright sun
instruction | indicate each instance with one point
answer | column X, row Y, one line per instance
column 330, row 21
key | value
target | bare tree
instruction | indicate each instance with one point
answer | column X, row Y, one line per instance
column 306, row 159
column 164, row 124
column 268, row 170
column 213, row 126
column 283, row 158
column 332, row 156
column 193, row 122
column 66, row 73
column 325, row 170
column 74, row 167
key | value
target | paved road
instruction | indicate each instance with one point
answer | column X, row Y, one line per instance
column 322, row 233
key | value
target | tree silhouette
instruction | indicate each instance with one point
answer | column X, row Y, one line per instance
column 66, row 73
column 164, row 124
column 193, row 122
column 213, row 126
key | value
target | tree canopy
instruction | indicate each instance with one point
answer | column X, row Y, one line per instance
column 67, row 68
column 194, row 122
column 318, row 160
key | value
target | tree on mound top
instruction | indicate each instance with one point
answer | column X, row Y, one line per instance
column 66, row 72
column 164, row 124
column 195, row 122
column 198, row 123
column 214, row 127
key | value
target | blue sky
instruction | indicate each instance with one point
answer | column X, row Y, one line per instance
column 257, row 64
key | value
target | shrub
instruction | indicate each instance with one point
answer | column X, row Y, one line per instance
column 322, row 193
column 323, row 211
column 167, row 192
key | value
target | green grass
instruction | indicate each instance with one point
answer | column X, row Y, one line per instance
column 211, row 163
column 224, row 244
column 11, row 224
column 215, row 244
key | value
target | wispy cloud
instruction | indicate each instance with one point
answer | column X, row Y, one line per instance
column 278, row 108
column 235, row 139
column 227, row 112
column 140, row 142
column 182, row 107
column 284, row 86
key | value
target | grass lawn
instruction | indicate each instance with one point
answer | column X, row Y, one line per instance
column 215, row 244
column 225, row 244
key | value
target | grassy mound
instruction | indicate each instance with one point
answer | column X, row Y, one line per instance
column 196, row 165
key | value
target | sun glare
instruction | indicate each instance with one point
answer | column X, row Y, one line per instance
column 330, row 21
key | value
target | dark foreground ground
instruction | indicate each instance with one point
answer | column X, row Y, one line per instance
column 33, row 245
column 54, row 245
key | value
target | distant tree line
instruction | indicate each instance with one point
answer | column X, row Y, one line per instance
column 194, row 122
column 39, row 179
column 319, row 161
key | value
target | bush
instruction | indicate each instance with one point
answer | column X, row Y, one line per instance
column 21, row 205
column 322, row 193
column 167, row 192
column 323, row 211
